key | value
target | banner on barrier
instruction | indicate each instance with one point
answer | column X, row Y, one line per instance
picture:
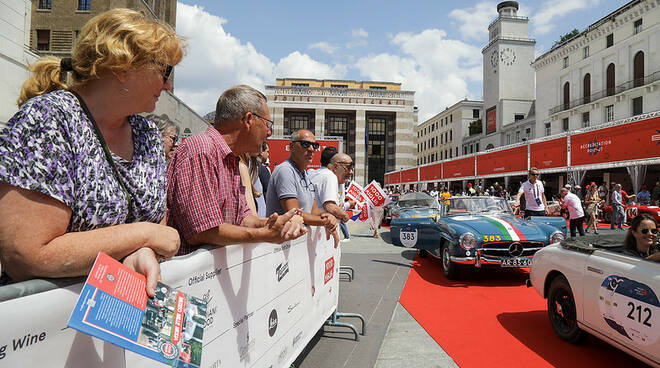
column 265, row 302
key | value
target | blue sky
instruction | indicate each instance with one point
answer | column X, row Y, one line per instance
column 431, row 47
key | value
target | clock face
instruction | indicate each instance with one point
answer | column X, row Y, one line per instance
column 507, row 56
column 494, row 58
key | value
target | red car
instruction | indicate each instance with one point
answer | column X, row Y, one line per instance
column 632, row 210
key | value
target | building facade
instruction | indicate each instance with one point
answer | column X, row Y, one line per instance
column 374, row 119
column 609, row 71
column 56, row 24
column 441, row 137
column 15, row 54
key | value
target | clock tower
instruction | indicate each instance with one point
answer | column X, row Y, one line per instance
column 508, row 87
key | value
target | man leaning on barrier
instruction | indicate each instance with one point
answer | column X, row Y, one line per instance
column 205, row 198
column 290, row 186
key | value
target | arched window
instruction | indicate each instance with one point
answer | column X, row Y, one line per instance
column 638, row 69
column 567, row 96
column 490, row 146
column 609, row 82
column 586, row 88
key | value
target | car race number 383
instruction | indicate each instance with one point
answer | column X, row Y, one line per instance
column 408, row 236
column 630, row 308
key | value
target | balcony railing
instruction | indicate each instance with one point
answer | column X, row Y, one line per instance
column 606, row 92
column 514, row 17
column 338, row 92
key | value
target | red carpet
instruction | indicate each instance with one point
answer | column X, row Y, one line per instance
column 490, row 319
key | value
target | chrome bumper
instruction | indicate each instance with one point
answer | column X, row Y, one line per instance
column 479, row 260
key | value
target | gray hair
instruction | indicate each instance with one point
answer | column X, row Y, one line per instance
column 237, row 101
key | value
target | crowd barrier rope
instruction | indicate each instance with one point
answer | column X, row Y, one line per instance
column 265, row 303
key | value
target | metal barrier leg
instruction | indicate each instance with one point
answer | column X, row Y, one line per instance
column 350, row 277
column 347, row 268
column 334, row 322
column 354, row 315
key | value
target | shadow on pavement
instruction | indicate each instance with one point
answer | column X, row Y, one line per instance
column 409, row 254
column 393, row 263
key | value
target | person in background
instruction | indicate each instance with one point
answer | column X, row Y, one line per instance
column 573, row 204
column 471, row 191
column 81, row 172
column 602, row 192
column 433, row 193
column 329, row 180
column 592, row 202
column 170, row 133
column 617, row 208
column 644, row 197
column 205, row 199
column 264, row 170
column 626, row 199
column 290, row 186
column 642, row 237
column 533, row 190
column 250, row 179
column 655, row 195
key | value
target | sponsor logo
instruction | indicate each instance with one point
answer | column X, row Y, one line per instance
column 168, row 349
column 244, row 349
column 282, row 355
column 296, row 339
column 283, row 247
column 292, row 306
column 329, row 270
column 656, row 137
column 595, row 146
column 282, row 270
column 243, row 319
column 272, row 323
column 110, row 277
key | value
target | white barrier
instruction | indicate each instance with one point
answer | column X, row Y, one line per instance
column 265, row 303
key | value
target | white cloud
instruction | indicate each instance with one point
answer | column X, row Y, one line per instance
column 324, row 47
column 475, row 20
column 359, row 33
column 215, row 60
column 297, row 65
column 436, row 68
column 552, row 11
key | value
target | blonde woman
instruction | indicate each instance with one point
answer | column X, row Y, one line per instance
column 80, row 171
column 249, row 169
column 592, row 201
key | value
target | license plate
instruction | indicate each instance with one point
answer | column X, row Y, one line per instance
column 516, row 262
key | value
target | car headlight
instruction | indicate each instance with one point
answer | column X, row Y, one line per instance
column 467, row 241
column 557, row 237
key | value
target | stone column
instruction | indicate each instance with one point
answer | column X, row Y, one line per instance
column 319, row 122
column 277, row 114
column 360, row 148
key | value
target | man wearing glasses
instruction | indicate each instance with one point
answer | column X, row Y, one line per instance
column 336, row 169
column 205, row 198
column 535, row 202
column 290, row 187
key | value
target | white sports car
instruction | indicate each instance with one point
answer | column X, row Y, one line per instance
column 593, row 287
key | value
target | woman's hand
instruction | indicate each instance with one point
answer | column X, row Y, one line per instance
column 164, row 240
column 144, row 261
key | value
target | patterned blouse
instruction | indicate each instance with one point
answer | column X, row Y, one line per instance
column 49, row 146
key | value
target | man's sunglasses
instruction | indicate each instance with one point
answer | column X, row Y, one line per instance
column 646, row 231
column 534, row 174
column 307, row 144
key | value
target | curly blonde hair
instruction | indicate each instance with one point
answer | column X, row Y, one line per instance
column 115, row 41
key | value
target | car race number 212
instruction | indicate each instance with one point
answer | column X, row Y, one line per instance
column 630, row 308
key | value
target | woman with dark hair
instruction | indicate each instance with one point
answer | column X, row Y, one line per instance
column 641, row 240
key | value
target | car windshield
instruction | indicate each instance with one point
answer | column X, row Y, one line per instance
column 417, row 200
column 476, row 205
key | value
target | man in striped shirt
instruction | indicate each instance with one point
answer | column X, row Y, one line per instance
column 205, row 198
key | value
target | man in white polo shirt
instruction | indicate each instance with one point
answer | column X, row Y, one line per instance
column 535, row 202
column 573, row 204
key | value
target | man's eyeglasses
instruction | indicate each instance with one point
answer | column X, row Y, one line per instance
column 646, row 231
column 168, row 70
column 174, row 138
column 534, row 174
column 269, row 123
column 347, row 165
column 307, row 144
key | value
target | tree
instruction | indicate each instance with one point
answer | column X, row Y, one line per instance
column 567, row 37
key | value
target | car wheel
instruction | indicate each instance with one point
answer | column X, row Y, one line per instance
column 448, row 267
column 561, row 311
column 422, row 253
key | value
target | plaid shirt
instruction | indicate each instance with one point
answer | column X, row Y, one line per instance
column 204, row 187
